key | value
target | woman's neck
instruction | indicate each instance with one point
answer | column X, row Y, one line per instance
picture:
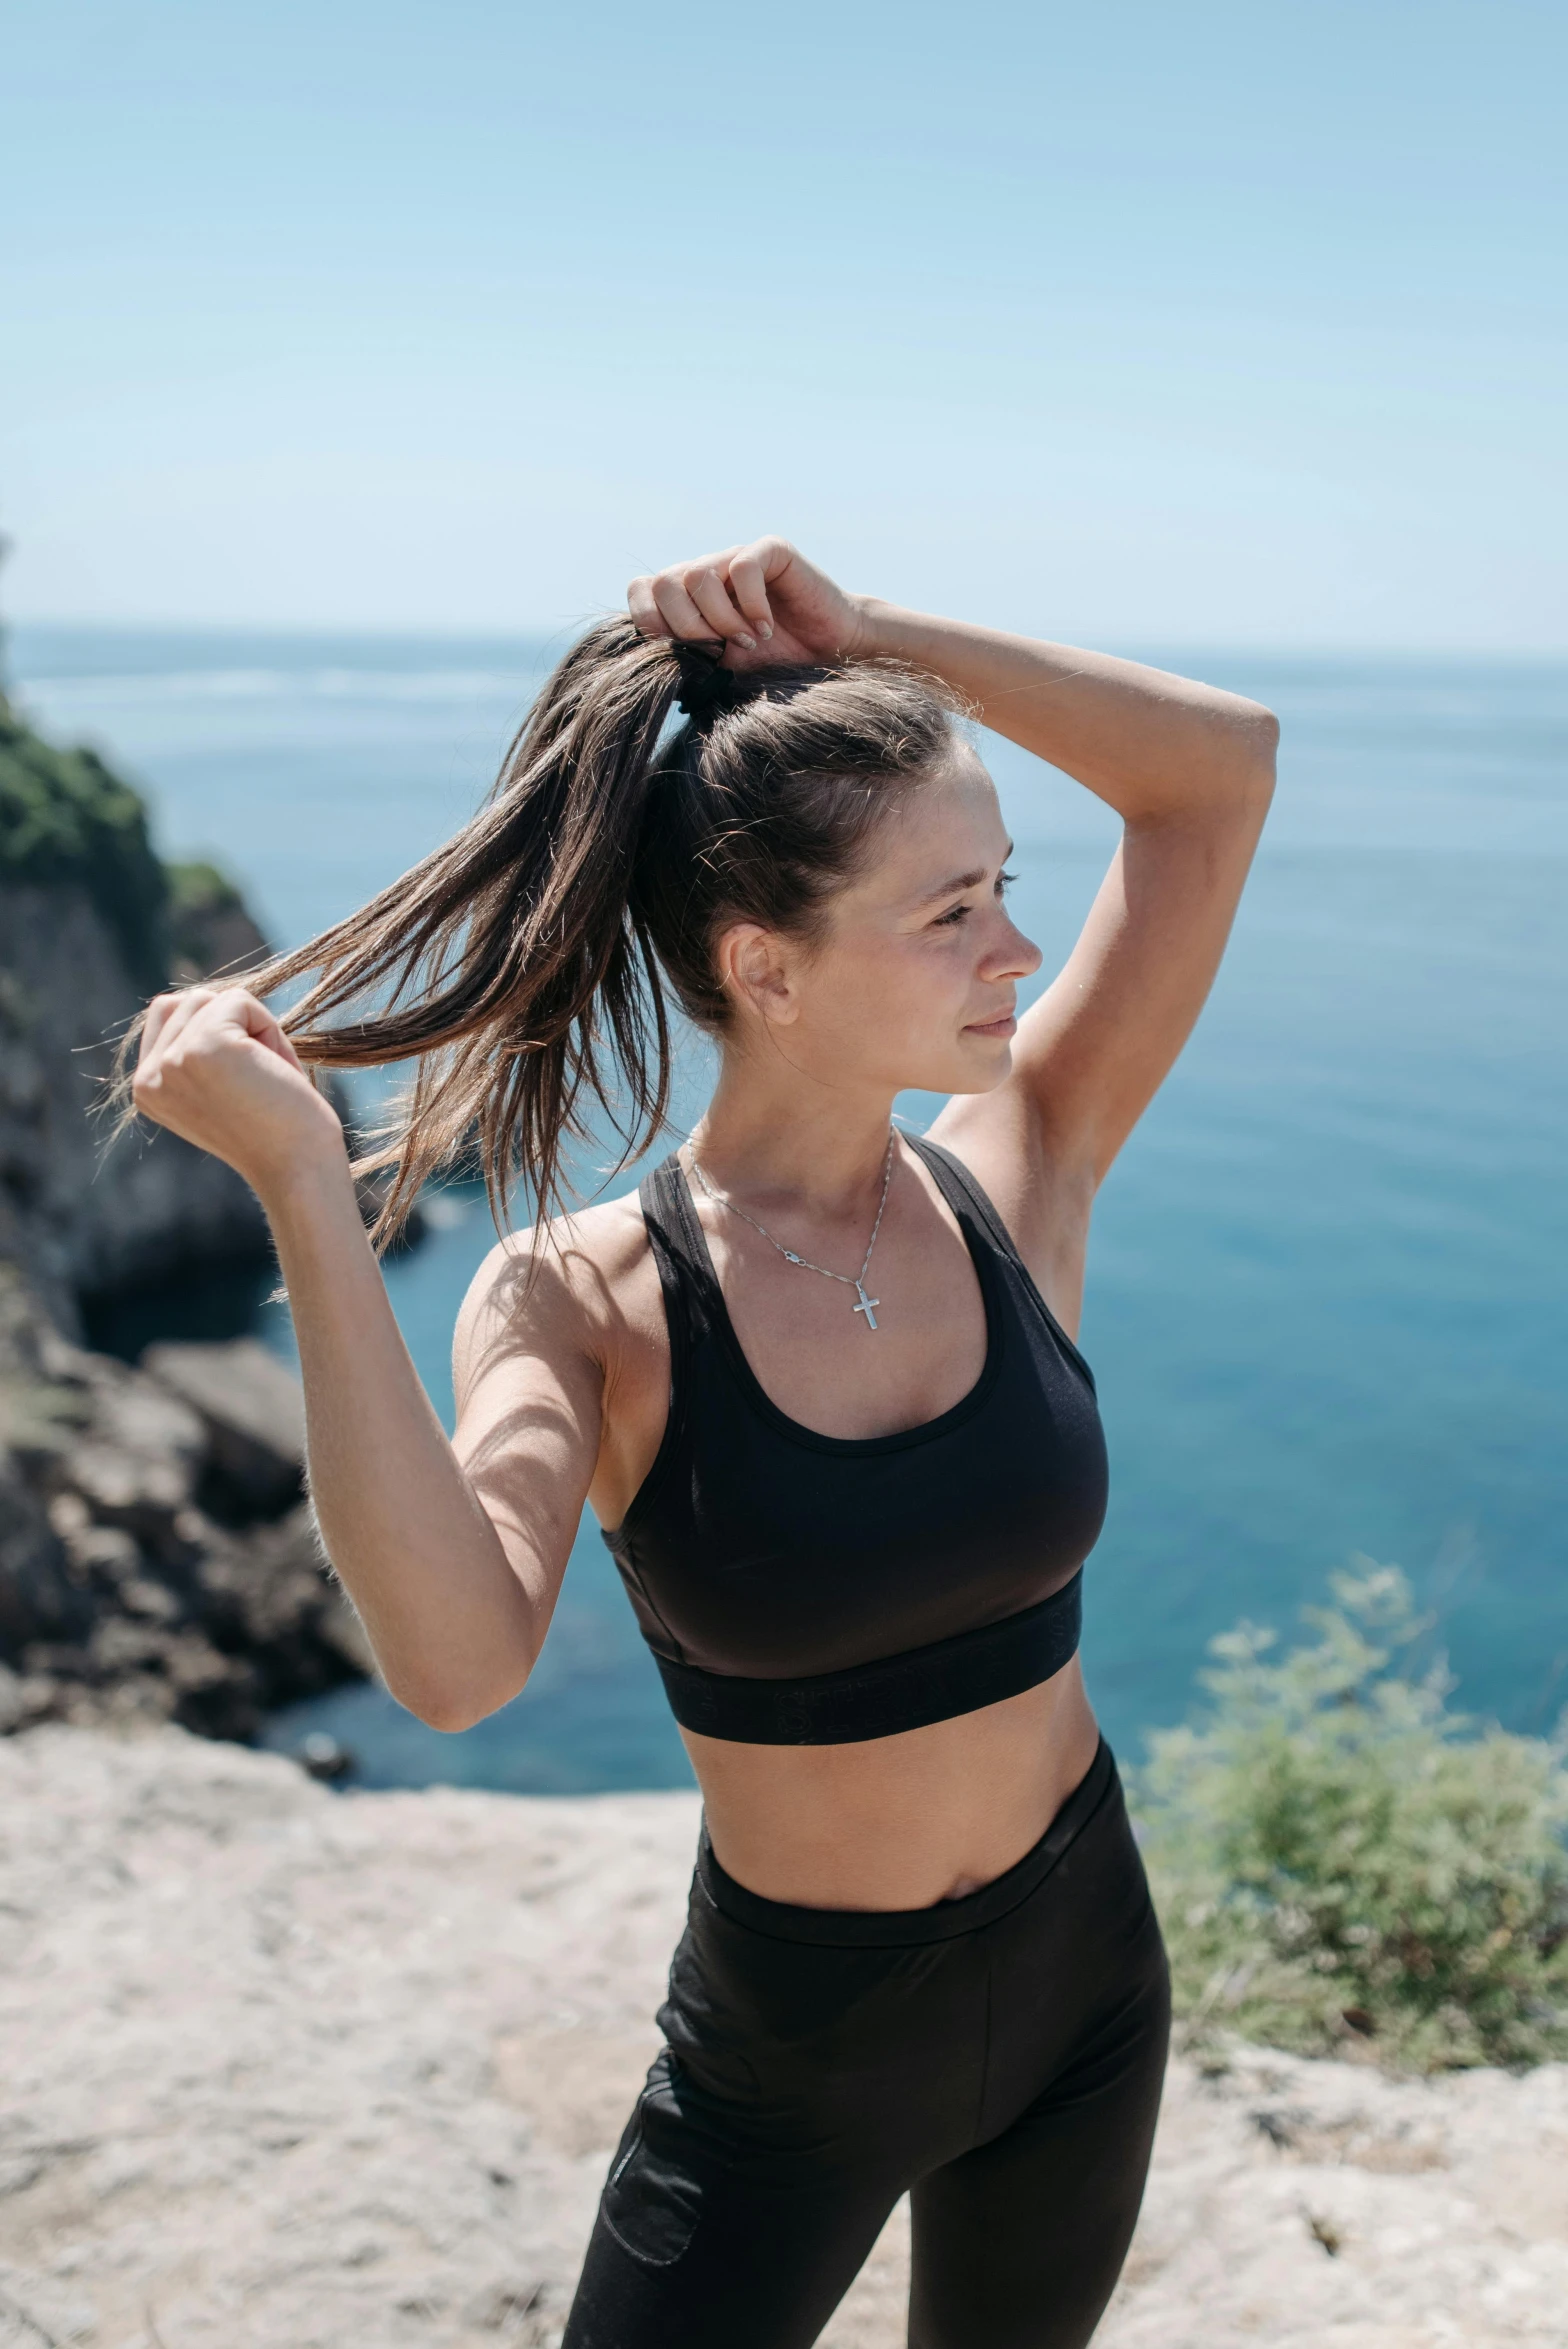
column 779, row 1137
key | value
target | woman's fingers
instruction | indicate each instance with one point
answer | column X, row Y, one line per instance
column 748, row 581
column 167, row 1015
column 712, row 599
column 733, row 596
column 253, row 1016
column 223, row 1074
column 646, row 615
column 280, row 1041
column 154, row 1021
column 681, row 617
column 171, row 1017
column 694, row 602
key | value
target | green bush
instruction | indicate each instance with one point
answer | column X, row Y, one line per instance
column 1338, row 1857
column 64, row 816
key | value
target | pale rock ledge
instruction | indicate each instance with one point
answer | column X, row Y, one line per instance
column 290, row 2070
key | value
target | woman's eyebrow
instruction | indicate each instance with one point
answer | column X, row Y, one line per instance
column 949, row 888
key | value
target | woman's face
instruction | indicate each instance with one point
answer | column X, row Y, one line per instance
column 913, row 980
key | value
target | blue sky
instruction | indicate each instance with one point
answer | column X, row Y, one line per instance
column 1143, row 324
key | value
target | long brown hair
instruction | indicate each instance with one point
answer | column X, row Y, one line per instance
column 524, row 965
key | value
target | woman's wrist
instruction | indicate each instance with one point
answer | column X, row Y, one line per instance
column 890, row 632
column 881, row 629
column 308, row 1186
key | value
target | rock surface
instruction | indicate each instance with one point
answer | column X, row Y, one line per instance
column 78, row 1219
column 288, row 2070
column 155, row 1556
column 156, row 1559
column 92, row 923
column 253, row 1413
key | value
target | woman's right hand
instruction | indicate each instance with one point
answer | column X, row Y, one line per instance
column 216, row 1068
column 765, row 601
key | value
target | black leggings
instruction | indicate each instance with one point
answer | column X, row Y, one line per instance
column 999, row 2056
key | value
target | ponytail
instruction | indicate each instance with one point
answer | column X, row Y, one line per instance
column 523, row 966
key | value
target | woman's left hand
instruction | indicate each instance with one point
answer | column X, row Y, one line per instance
column 764, row 601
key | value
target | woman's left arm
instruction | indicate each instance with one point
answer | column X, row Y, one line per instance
column 1190, row 771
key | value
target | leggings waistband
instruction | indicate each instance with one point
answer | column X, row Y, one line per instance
column 944, row 1920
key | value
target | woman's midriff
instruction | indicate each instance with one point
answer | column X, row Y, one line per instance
column 898, row 1822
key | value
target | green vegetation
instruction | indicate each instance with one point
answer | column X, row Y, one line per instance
column 67, row 818
column 199, row 891
column 64, row 816
column 1337, row 1857
column 202, row 903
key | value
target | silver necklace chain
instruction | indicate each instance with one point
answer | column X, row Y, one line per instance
column 856, row 1281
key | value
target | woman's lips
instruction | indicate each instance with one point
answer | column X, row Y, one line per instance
column 1005, row 1026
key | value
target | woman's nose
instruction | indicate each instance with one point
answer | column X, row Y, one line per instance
column 1013, row 956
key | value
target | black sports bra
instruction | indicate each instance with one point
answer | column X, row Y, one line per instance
column 806, row 1589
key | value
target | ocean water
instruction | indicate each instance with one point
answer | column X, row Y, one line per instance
column 1328, row 1281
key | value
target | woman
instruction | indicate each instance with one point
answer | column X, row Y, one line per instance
column 817, row 1382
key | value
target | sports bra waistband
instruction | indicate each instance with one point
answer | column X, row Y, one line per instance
column 894, row 1693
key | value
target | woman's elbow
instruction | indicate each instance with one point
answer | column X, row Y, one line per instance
column 1259, row 729
column 452, row 1709
column 1251, row 747
column 451, row 1718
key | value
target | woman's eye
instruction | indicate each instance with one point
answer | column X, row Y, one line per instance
column 960, row 913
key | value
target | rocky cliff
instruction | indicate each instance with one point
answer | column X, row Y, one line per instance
column 157, row 1558
column 91, row 924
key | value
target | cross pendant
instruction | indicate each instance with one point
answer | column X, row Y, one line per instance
column 865, row 1306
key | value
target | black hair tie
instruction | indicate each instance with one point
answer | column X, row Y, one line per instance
column 707, row 687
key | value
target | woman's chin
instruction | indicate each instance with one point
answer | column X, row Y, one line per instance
column 983, row 1061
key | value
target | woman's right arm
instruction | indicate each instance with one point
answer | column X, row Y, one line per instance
column 453, row 1555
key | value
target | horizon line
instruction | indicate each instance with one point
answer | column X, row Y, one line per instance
column 539, row 634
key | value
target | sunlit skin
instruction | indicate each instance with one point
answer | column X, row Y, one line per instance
column 454, row 1551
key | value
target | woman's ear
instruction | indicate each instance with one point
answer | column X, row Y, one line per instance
column 754, row 971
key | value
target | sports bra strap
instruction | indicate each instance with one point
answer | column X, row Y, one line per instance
column 684, row 1276
column 957, row 1184
column 959, row 1188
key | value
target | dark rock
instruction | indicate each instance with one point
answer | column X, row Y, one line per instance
column 267, row 1594
column 91, row 924
column 40, row 1599
column 120, row 1595
column 156, row 1558
column 254, row 1417
column 84, row 1213
column 321, row 1756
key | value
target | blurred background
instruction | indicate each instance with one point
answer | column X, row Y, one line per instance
column 356, row 358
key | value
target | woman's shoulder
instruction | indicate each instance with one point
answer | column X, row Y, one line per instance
column 585, row 1282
